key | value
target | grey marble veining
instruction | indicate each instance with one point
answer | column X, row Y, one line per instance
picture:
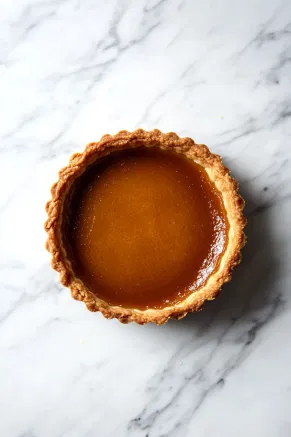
column 219, row 72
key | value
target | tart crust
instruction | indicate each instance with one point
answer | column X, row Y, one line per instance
column 218, row 174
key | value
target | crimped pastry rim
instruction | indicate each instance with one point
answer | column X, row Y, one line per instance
column 218, row 173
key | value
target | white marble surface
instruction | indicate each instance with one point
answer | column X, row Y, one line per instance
column 219, row 71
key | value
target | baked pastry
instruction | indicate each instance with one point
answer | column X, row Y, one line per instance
column 145, row 226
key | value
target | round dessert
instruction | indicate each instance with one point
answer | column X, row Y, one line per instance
column 145, row 226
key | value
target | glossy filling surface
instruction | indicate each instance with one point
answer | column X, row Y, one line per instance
column 144, row 228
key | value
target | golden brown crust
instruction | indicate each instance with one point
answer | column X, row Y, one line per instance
column 217, row 172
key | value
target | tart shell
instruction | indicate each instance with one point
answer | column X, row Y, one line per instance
column 218, row 174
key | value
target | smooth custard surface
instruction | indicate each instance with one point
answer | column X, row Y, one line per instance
column 144, row 228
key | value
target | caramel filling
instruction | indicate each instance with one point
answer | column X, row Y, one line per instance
column 144, row 228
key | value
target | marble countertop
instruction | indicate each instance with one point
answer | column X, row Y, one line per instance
column 218, row 71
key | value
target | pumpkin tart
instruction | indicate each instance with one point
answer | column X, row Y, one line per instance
column 145, row 226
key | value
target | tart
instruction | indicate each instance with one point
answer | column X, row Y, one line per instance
column 145, row 226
